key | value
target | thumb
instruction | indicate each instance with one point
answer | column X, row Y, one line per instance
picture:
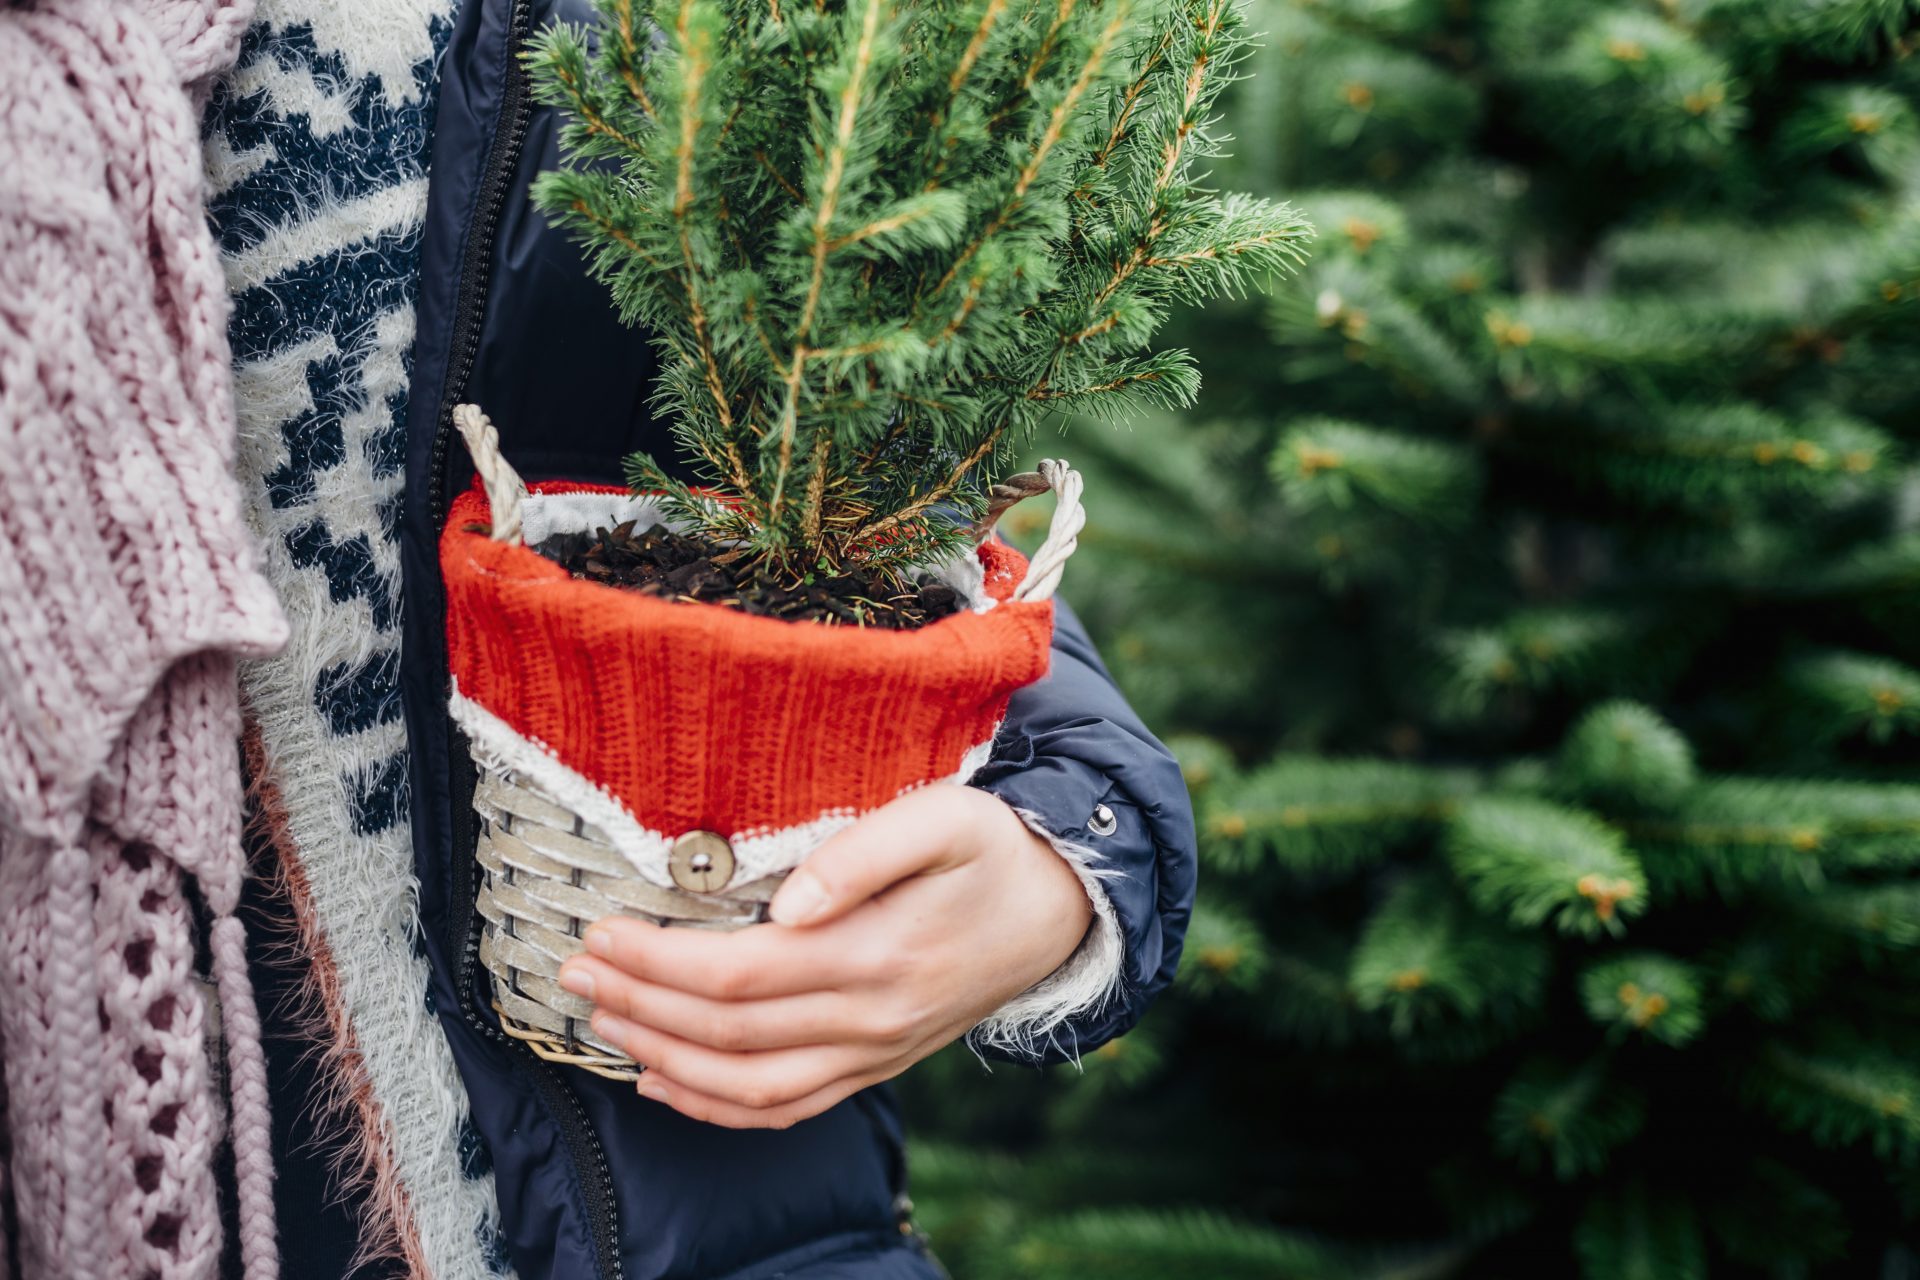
column 922, row 831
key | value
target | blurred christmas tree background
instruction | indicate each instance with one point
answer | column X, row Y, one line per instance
column 1536, row 602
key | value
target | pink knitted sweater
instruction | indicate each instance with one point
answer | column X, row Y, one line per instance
column 128, row 589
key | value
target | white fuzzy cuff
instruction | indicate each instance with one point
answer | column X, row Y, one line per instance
column 1083, row 983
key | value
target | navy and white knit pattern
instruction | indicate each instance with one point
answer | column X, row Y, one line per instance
column 316, row 155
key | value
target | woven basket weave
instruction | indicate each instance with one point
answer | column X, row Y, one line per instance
column 546, row 875
column 548, row 872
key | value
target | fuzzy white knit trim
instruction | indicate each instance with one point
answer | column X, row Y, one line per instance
column 362, row 881
column 1083, row 984
column 544, row 515
column 341, row 89
column 757, row 851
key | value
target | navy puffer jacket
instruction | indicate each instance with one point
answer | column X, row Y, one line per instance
column 593, row 1181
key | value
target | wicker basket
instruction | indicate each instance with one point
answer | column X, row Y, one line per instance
column 546, row 875
column 562, row 845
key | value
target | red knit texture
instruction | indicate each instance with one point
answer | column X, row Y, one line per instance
column 696, row 716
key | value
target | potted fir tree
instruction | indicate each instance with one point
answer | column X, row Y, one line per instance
column 875, row 242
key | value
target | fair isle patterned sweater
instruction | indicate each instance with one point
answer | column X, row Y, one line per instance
column 317, row 148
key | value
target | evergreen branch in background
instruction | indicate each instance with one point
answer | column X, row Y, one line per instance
column 1312, row 816
column 1780, row 1219
column 1309, row 1000
column 1881, row 916
column 1644, row 993
column 1539, row 603
column 1842, row 1093
column 1148, row 1244
column 1767, row 969
column 982, row 222
column 1226, row 949
column 1624, row 753
column 1539, row 863
column 1732, row 834
column 1328, row 462
column 1574, row 649
column 1838, row 29
column 1716, row 458
column 1345, row 318
column 1840, row 695
column 1633, row 1231
column 1568, row 1117
column 1425, row 960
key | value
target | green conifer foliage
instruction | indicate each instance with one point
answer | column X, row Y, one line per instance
column 877, row 241
column 1541, row 587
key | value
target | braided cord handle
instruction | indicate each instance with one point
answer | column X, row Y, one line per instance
column 505, row 489
column 1063, row 534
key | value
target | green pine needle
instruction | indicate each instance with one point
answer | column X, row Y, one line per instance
column 1318, row 816
column 1646, row 994
column 1633, row 1232
column 1426, row 963
column 1539, row 863
column 875, row 244
column 1734, row 834
column 1566, row 1117
column 1880, row 915
column 1625, row 753
column 1226, row 950
column 1148, row 1244
column 1842, row 694
column 1325, row 462
column 1842, row 1093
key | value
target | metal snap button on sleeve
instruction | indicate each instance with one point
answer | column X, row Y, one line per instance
column 701, row 862
column 1103, row 823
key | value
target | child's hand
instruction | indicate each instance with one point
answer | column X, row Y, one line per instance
column 894, row 938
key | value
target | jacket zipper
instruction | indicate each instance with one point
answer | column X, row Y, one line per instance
column 470, row 302
column 582, row 1144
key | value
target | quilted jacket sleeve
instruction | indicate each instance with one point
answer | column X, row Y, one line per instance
column 1082, row 770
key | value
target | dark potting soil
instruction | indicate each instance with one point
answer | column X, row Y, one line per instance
column 658, row 562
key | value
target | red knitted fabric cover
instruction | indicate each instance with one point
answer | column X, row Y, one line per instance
column 695, row 716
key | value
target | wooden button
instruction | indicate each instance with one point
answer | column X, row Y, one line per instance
column 701, row 862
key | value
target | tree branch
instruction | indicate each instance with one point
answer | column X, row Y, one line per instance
column 695, row 62
column 831, row 177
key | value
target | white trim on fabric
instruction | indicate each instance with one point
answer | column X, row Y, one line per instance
column 543, row 515
column 1085, row 981
column 757, row 852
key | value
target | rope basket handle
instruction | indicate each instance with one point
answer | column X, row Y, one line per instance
column 1049, row 562
column 506, row 491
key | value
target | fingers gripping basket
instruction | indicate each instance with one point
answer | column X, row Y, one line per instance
column 672, row 761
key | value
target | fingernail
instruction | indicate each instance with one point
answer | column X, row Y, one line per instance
column 608, row 1028
column 598, row 942
column 577, row 979
column 800, row 899
column 651, row 1088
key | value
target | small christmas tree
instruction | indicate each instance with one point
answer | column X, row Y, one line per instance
column 876, row 242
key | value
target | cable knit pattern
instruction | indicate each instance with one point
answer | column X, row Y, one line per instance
column 131, row 587
column 695, row 717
